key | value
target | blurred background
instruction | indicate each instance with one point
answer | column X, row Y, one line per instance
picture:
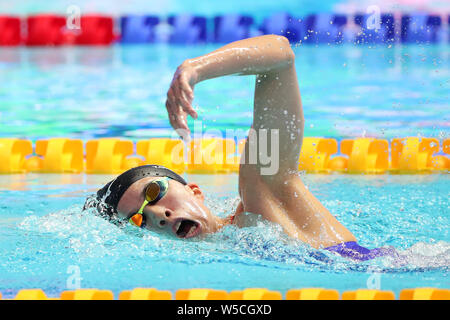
column 88, row 69
column 84, row 70
column 207, row 7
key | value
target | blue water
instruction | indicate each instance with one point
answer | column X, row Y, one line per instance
column 347, row 91
column 44, row 235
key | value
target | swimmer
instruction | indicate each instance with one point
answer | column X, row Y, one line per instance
column 154, row 197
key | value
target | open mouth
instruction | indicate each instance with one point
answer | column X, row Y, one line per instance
column 185, row 228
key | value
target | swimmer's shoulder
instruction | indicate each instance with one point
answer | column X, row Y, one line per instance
column 235, row 217
column 243, row 219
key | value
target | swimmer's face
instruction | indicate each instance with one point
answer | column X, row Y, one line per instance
column 180, row 212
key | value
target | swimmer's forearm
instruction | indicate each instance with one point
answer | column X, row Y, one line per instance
column 257, row 55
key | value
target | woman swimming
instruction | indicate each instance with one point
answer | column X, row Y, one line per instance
column 155, row 197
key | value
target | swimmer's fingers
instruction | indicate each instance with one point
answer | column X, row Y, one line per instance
column 180, row 97
column 187, row 96
column 177, row 117
column 172, row 95
column 184, row 102
column 171, row 108
column 186, row 86
column 183, row 83
column 177, row 100
column 181, row 94
column 175, row 111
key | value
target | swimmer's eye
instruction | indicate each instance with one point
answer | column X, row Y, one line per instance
column 154, row 191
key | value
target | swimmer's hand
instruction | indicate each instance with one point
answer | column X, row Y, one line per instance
column 180, row 97
column 263, row 56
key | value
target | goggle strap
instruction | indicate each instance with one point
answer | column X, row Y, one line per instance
column 141, row 210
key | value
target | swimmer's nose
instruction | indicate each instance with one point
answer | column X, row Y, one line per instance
column 166, row 219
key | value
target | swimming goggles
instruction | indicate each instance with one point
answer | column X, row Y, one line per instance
column 154, row 191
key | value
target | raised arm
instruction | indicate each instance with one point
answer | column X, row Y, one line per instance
column 278, row 195
column 277, row 103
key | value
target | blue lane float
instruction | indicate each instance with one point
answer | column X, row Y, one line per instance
column 285, row 25
column 232, row 27
column 421, row 28
column 138, row 29
column 187, row 29
column 325, row 28
column 371, row 34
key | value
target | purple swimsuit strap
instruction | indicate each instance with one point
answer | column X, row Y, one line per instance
column 354, row 251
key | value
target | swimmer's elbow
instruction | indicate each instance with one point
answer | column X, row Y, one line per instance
column 290, row 56
column 286, row 54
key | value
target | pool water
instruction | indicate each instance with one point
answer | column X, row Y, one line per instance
column 45, row 236
column 347, row 91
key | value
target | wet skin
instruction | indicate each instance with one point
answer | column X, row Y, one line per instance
column 280, row 197
column 181, row 202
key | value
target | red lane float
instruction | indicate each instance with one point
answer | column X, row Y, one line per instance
column 9, row 31
column 46, row 30
column 96, row 30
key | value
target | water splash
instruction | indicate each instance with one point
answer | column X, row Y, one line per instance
column 260, row 243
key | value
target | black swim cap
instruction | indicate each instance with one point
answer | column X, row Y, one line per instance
column 108, row 197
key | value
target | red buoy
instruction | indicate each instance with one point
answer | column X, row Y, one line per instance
column 45, row 30
column 9, row 31
column 96, row 30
